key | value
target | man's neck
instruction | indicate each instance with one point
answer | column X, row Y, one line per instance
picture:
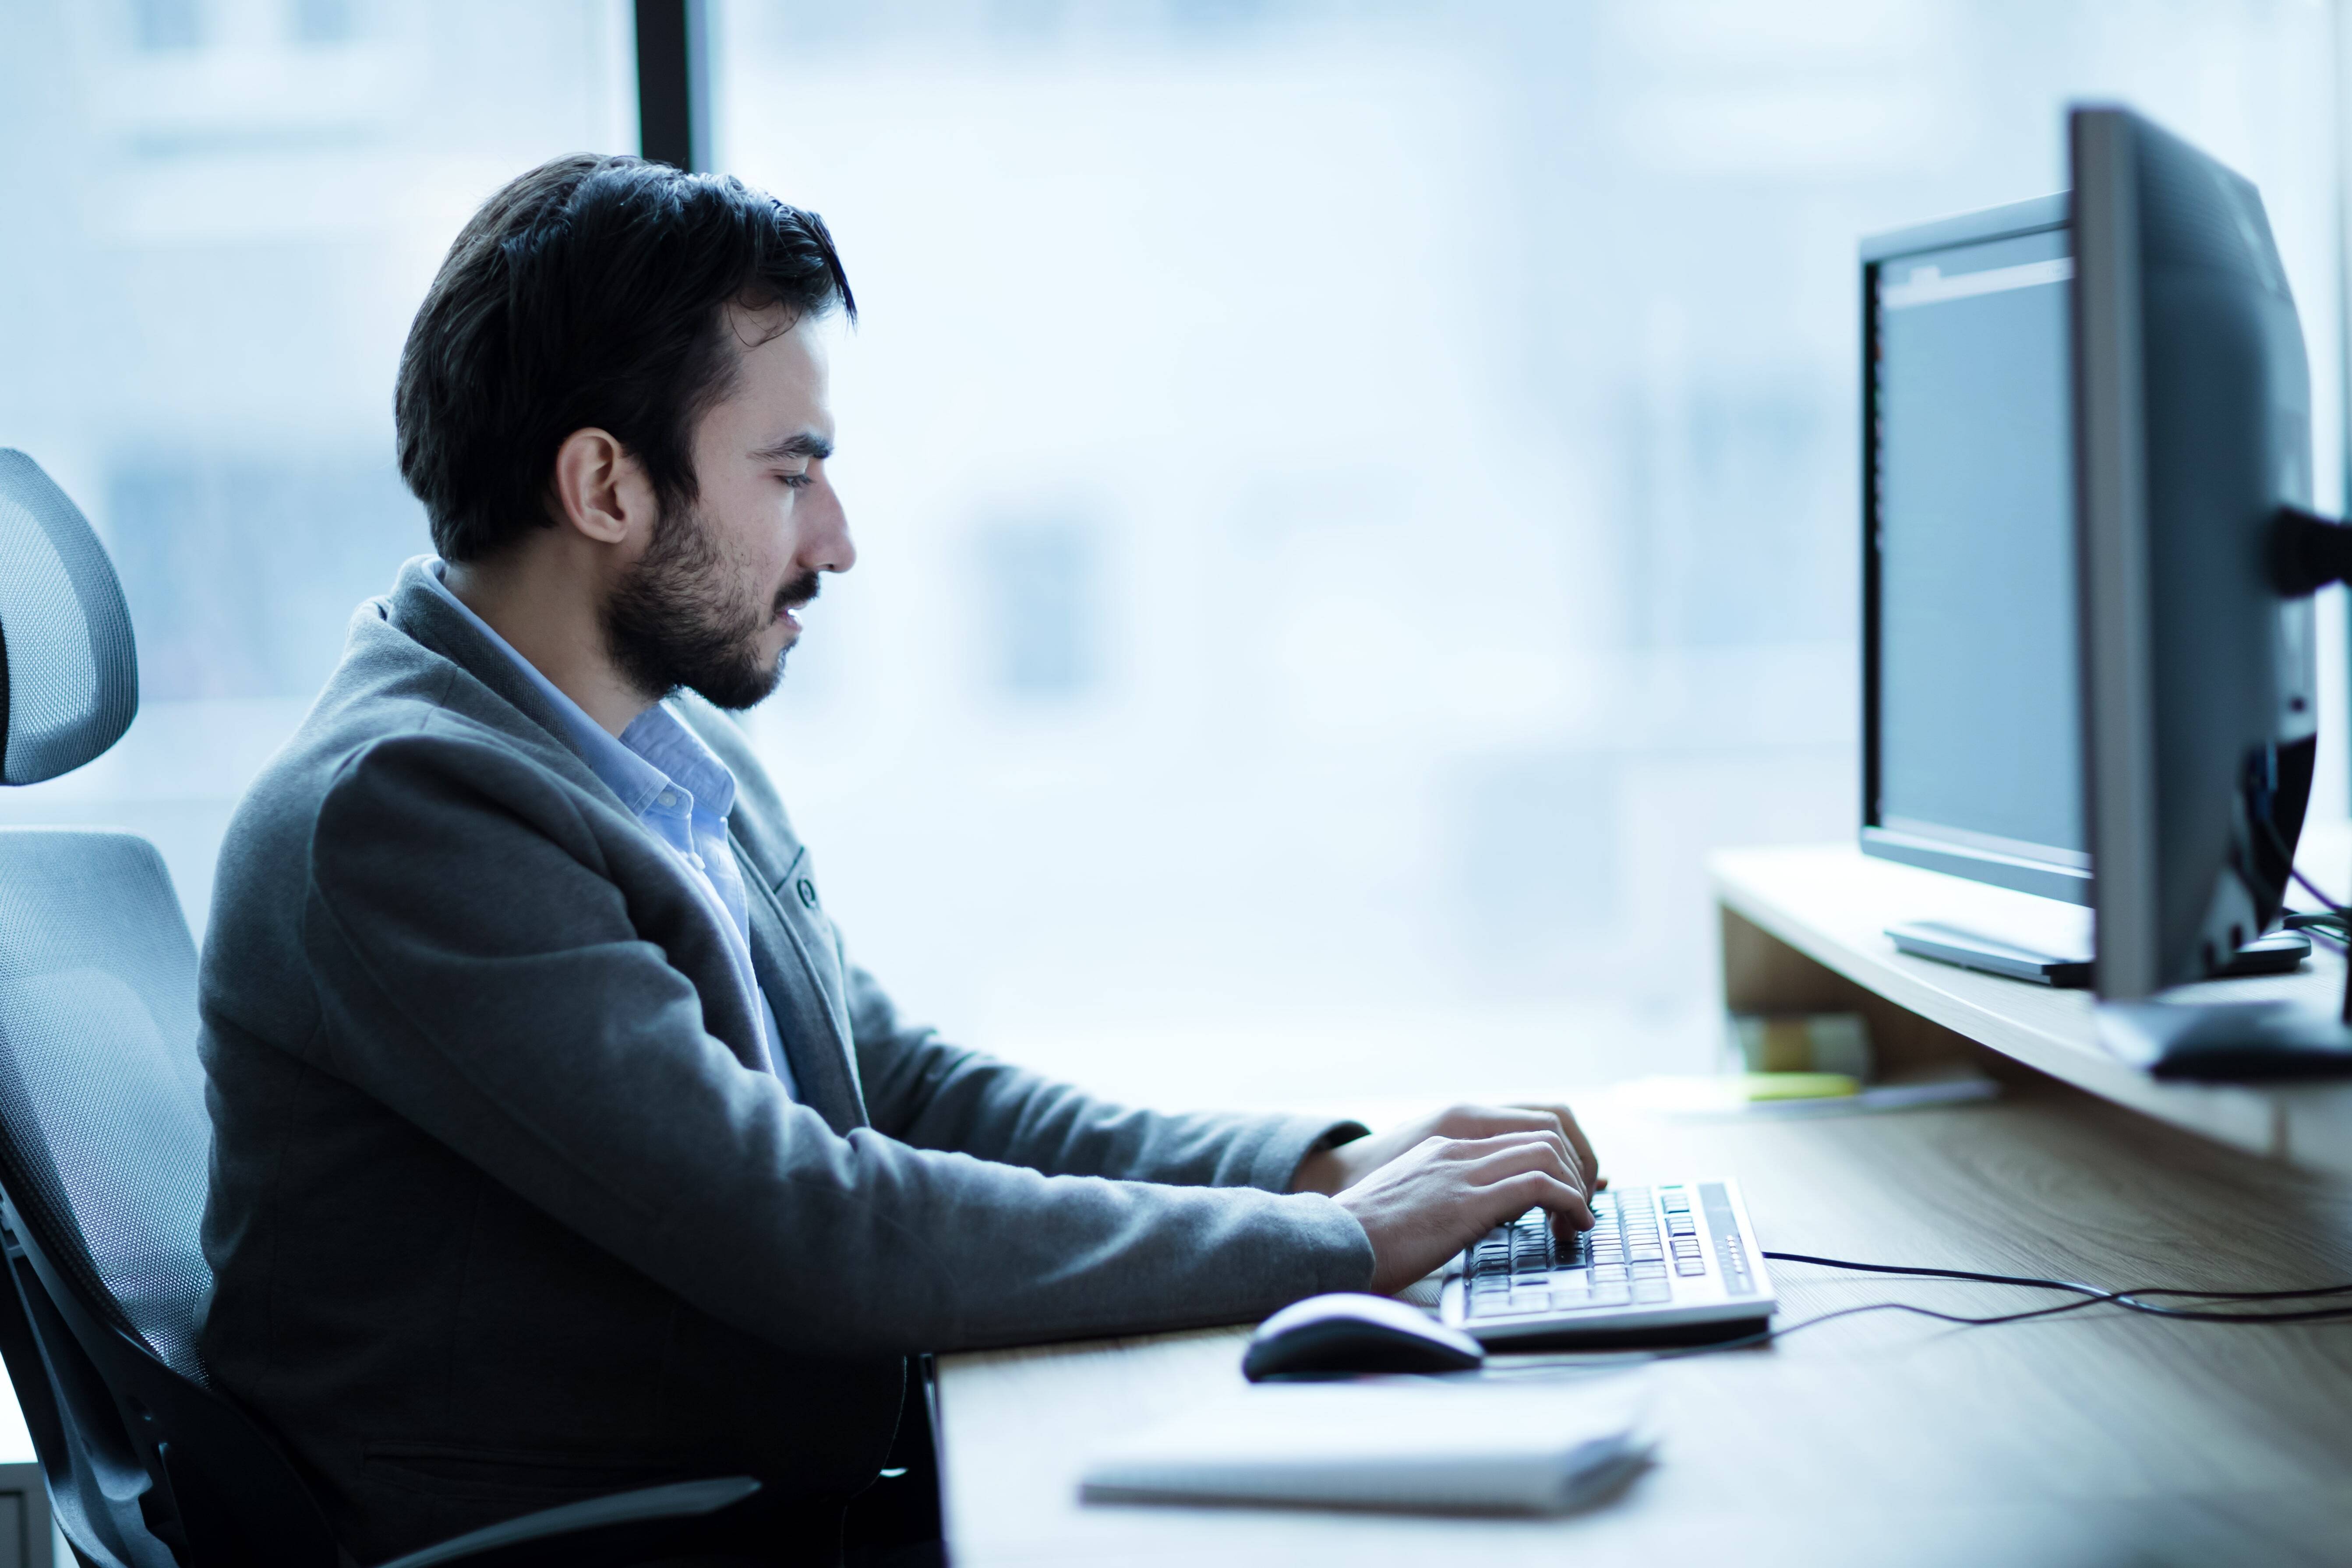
column 557, row 630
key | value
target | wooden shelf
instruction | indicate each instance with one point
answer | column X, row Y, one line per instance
column 1832, row 904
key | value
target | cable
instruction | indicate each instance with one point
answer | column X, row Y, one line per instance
column 2312, row 888
column 1764, row 1336
column 2286, row 853
column 2134, row 1299
column 2329, row 929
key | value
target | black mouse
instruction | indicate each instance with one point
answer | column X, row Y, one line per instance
column 1325, row 1336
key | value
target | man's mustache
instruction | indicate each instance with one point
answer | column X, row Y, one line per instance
column 797, row 591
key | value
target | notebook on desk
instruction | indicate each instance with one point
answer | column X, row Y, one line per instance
column 1526, row 1444
column 1672, row 1261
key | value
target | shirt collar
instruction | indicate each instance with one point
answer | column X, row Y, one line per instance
column 654, row 752
column 670, row 745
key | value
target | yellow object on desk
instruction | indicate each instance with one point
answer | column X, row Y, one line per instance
column 1756, row 1086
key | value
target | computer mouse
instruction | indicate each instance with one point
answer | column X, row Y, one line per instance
column 1326, row 1336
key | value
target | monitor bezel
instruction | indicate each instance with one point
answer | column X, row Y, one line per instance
column 1923, row 845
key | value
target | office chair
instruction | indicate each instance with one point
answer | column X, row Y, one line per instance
column 103, row 1148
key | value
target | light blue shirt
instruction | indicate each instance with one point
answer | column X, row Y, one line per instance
column 679, row 790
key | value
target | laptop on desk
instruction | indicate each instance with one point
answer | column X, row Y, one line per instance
column 1669, row 1262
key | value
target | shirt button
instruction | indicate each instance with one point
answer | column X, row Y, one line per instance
column 667, row 798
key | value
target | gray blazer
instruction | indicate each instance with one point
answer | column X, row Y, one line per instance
column 503, row 1212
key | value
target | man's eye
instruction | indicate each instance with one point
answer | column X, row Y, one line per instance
column 795, row 481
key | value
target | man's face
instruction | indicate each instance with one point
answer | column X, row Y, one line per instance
column 709, row 605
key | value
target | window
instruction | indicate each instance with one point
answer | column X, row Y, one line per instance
column 1474, row 392
column 1354, row 500
column 223, row 214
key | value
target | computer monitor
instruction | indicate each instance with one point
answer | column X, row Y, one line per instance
column 1973, row 718
column 2193, row 432
column 1972, row 749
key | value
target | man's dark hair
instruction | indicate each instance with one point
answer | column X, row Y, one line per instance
column 591, row 291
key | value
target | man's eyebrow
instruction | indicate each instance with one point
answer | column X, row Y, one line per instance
column 807, row 444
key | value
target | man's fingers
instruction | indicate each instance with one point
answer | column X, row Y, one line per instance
column 1566, row 1118
column 1546, row 1154
column 1487, row 1121
column 1474, row 1151
column 1517, row 1194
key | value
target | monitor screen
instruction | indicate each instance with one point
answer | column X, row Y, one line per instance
column 1975, row 712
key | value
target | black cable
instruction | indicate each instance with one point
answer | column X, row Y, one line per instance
column 2329, row 929
column 1763, row 1336
column 2311, row 887
column 2134, row 1299
column 2286, row 853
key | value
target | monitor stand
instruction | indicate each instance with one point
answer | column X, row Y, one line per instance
column 2277, row 953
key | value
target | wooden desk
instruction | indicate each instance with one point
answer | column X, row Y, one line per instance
column 2093, row 1438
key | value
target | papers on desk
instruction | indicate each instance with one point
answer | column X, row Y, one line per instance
column 1466, row 1444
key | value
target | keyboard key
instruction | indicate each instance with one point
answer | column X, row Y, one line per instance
column 1649, row 1270
column 1570, row 1300
column 1682, row 1225
column 1611, row 1295
column 1609, row 1274
column 1689, row 1266
column 1653, row 1292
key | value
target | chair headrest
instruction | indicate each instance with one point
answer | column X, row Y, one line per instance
column 68, row 668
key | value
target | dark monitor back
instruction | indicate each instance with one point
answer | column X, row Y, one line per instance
column 1972, row 742
column 2194, row 398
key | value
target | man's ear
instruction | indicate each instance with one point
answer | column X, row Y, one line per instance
column 600, row 489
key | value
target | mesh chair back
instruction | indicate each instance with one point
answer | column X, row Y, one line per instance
column 68, row 668
column 104, row 1144
column 103, row 1134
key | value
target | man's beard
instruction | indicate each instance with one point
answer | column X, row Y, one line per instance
column 675, row 621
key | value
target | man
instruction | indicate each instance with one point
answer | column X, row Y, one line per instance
column 559, row 1147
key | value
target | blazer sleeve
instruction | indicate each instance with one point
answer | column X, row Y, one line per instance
column 926, row 1092
column 481, row 975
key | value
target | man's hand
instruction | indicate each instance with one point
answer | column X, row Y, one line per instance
column 1423, row 1206
column 1331, row 1170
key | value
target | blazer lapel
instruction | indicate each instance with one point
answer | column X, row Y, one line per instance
column 814, row 1043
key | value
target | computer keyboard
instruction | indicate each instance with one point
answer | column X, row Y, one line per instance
column 1666, row 1254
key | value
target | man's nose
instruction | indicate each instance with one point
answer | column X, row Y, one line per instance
column 835, row 551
